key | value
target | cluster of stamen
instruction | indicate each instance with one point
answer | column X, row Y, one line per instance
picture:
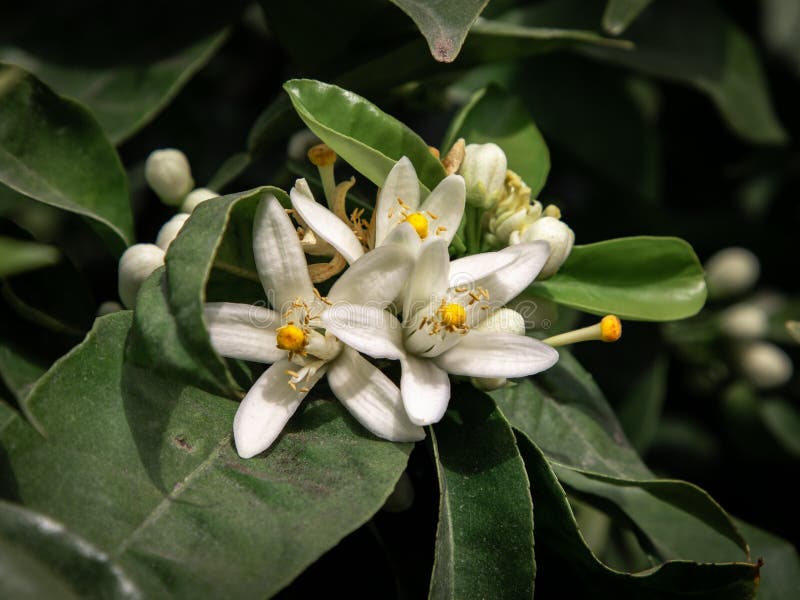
column 452, row 316
column 418, row 220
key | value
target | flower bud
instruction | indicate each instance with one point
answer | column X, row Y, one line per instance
column 765, row 365
column 731, row 271
column 484, row 171
column 503, row 320
column 299, row 143
column 135, row 266
column 169, row 231
column 108, row 307
column 196, row 197
column 168, row 174
column 744, row 321
column 558, row 235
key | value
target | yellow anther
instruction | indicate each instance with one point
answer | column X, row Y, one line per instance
column 453, row 315
column 551, row 210
column 419, row 223
column 321, row 155
column 291, row 338
column 610, row 328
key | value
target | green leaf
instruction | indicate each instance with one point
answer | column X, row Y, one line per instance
column 39, row 134
column 780, row 574
column 363, row 135
column 484, row 544
column 17, row 256
column 782, row 419
column 558, row 535
column 19, row 372
column 621, row 13
column 493, row 115
column 643, row 278
column 169, row 333
column 123, row 97
column 696, row 43
column 145, row 469
column 47, row 560
column 640, row 410
column 444, row 24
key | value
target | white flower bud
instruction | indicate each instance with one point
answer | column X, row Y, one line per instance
column 196, row 197
column 299, row 143
column 169, row 231
column 731, row 271
column 108, row 307
column 168, row 174
column 135, row 266
column 745, row 321
column 484, row 171
column 765, row 365
column 558, row 235
column 503, row 320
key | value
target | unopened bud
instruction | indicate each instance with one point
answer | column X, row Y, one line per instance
column 558, row 235
column 299, row 144
column 744, row 321
column 484, row 171
column 195, row 198
column 793, row 327
column 731, row 271
column 169, row 231
column 136, row 265
column 765, row 365
column 108, row 307
column 168, row 174
column 503, row 320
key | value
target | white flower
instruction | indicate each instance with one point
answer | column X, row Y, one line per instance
column 168, row 173
column 135, row 265
column 484, row 171
column 443, row 304
column 399, row 217
column 293, row 338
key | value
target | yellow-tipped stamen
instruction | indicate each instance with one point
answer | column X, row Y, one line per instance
column 291, row 338
column 323, row 157
column 419, row 223
column 609, row 329
column 453, row 315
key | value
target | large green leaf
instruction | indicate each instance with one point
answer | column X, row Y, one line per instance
column 17, row 256
column 493, row 115
column 362, row 134
column 122, row 97
column 643, row 278
column 484, row 545
column 779, row 577
column 444, row 24
column 621, row 13
column 640, row 409
column 39, row 135
column 558, row 534
column 145, row 469
column 169, row 333
column 41, row 558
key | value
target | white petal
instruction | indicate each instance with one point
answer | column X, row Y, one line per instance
column 371, row 398
column 425, row 389
column 446, row 201
column 487, row 354
column 279, row 258
column 375, row 279
column 267, row 407
column 428, row 281
column 403, row 234
column 401, row 182
column 468, row 269
column 324, row 223
column 243, row 331
column 368, row 329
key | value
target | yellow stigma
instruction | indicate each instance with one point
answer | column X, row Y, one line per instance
column 291, row 338
column 321, row 155
column 419, row 223
column 453, row 315
column 610, row 328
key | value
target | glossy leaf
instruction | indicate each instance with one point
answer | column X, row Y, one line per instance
column 779, row 577
column 39, row 134
column 145, row 469
column 41, row 558
column 642, row 278
column 558, row 533
column 17, row 256
column 621, row 13
column 481, row 476
column 444, row 24
column 126, row 96
column 493, row 115
column 362, row 134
